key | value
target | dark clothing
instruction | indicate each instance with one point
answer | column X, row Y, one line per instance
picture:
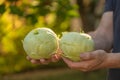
column 114, row 5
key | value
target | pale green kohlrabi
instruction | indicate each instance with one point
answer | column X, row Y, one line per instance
column 74, row 43
column 40, row 43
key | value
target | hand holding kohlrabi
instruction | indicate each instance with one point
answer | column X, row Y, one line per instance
column 40, row 43
column 74, row 43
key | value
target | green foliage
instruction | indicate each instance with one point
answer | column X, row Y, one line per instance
column 18, row 17
column 15, row 10
column 2, row 8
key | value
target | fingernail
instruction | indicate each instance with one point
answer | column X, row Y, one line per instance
column 33, row 61
column 56, row 57
column 42, row 60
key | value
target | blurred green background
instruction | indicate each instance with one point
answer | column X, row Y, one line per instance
column 18, row 17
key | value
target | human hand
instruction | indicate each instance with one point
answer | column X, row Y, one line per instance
column 54, row 58
column 89, row 61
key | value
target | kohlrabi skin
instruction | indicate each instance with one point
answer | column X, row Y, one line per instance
column 40, row 43
column 73, row 44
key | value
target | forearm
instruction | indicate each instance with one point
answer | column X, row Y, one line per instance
column 101, row 41
column 103, row 35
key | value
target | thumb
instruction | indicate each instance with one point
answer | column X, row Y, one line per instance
column 86, row 56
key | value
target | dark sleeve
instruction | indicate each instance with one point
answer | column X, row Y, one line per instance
column 108, row 5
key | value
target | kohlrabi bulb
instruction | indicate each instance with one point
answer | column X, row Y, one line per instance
column 73, row 44
column 40, row 43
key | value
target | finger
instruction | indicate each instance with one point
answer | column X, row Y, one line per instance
column 70, row 63
column 57, row 56
column 66, row 60
column 76, row 65
column 87, row 56
column 35, row 61
column 54, row 58
column 44, row 61
column 85, row 70
column 28, row 58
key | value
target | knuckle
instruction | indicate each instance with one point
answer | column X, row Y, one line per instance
column 86, row 66
column 88, row 55
column 92, row 55
column 71, row 66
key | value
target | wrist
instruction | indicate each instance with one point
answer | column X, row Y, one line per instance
column 112, row 61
